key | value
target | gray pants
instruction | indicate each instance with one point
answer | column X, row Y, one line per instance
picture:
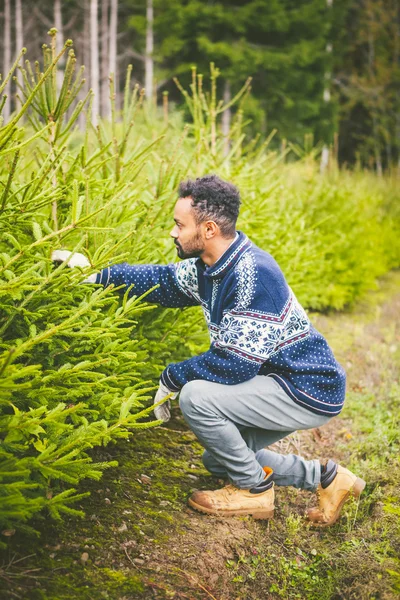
column 235, row 423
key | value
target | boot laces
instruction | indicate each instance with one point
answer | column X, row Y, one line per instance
column 230, row 489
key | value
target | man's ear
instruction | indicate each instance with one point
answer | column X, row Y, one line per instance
column 211, row 229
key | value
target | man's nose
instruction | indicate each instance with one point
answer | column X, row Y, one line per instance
column 173, row 233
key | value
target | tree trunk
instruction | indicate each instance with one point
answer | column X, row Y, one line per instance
column 19, row 34
column 85, row 57
column 94, row 59
column 371, row 69
column 7, row 57
column 327, row 98
column 148, row 60
column 59, row 40
column 113, row 66
column 226, row 118
column 104, row 59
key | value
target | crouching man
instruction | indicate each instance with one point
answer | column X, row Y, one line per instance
column 267, row 372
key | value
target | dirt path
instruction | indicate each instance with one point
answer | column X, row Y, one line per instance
column 140, row 540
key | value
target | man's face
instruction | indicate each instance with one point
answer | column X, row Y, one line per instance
column 187, row 233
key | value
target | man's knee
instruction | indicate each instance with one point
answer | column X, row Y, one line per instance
column 191, row 395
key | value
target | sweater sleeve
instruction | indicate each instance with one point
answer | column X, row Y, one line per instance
column 178, row 282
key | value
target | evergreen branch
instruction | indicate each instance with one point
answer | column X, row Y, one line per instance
column 3, row 198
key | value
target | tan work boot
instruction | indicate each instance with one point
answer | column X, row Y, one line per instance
column 232, row 501
column 337, row 485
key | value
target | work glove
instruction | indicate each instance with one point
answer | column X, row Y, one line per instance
column 163, row 411
column 75, row 259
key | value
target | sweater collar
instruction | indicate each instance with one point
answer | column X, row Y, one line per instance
column 229, row 258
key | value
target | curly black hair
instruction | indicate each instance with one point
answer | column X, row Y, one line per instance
column 215, row 199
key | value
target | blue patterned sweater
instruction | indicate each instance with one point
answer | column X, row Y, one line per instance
column 256, row 324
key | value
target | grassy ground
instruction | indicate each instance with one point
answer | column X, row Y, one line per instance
column 140, row 540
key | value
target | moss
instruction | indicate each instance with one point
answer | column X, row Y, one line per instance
column 121, row 510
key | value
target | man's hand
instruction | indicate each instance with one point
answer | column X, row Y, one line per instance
column 163, row 411
column 74, row 260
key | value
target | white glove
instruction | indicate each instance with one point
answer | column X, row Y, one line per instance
column 163, row 411
column 74, row 260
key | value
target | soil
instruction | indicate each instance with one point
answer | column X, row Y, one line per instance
column 139, row 538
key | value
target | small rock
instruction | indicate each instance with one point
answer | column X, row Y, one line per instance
column 192, row 476
column 85, row 557
column 145, row 479
column 107, row 500
column 126, row 512
column 129, row 544
column 123, row 527
column 8, row 532
column 138, row 561
column 165, row 503
column 193, row 467
column 52, row 555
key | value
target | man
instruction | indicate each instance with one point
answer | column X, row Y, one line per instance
column 267, row 372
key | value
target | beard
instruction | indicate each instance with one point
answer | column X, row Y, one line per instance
column 192, row 249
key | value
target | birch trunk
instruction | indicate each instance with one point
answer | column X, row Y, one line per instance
column 327, row 98
column 94, row 59
column 148, row 59
column 104, row 59
column 59, row 40
column 113, row 67
column 19, row 35
column 7, row 57
column 371, row 70
column 226, row 118
column 85, row 57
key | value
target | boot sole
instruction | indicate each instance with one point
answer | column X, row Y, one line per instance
column 256, row 513
column 355, row 491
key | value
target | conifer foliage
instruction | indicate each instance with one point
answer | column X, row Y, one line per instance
column 68, row 354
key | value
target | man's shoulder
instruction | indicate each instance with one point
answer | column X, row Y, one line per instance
column 260, row 282
column 260, row 262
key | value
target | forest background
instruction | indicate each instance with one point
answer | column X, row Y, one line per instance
column 329, row 68
column 90, row 161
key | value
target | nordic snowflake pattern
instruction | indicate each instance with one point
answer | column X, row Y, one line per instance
column 247, row 278
column 215, row 288
column 256, row 336
column 187, row 278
